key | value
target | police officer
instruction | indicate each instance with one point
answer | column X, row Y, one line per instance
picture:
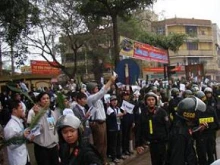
column 73, row 150
column 154, row 126
column 206, row 139
column 173, row 103
column 187, row 93
column 180, row 147
column 210, row 100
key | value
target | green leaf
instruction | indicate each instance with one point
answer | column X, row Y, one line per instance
column 14, row 89
column 16, row 140
column 60, row 101
column 36, row 119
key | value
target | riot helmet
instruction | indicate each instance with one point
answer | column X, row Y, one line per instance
column 194, row 89
column 187, row 93
column 154, row 89
column 188, row 108
column 175, row 92
column 208, row 90
column 68, row 120
column 200, row 95
column 150, row 94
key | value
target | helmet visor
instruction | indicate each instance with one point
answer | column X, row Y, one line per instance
column 200, row 105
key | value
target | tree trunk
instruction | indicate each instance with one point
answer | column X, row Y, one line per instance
column 75, row 64
column 12, row 60
column 115, row 39
column 0, row 59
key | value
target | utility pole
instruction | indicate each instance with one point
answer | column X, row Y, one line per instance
column 0, row 57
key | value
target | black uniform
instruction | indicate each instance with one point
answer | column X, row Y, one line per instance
column 154, row 128
column 180, row 146
column 206, row 140
column 83, row 154
column 173, row 107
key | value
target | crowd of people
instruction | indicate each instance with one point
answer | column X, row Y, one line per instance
column 108, row 123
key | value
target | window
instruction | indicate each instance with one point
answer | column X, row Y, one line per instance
column 202, row 32
column 160, row 30
column 191, row 30
column 193, row 60
column 192, row 46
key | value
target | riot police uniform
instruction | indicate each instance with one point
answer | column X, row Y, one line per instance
column 154, row 128
column 180, row 146
column 80, row 152
column 173, row 103
column 206, row 139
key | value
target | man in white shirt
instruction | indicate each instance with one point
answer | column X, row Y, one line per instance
column 98, row 117
column 17, row 153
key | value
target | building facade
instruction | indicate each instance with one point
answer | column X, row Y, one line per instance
column 199, row 47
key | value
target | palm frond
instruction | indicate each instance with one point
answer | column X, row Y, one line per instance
column 36, row 119
column 16, row 140
column 14, row 89
column 60, row 101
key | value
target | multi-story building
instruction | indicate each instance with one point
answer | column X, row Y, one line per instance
column 198, row 48
column 216, row 37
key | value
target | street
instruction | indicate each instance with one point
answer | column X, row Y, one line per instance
column 144, row 159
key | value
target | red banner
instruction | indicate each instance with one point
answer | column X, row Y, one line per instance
column 43, row 67
column 160, row 70
column 150, row 53
column 142, row 51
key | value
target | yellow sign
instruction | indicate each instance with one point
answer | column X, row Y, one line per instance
column 206, row 120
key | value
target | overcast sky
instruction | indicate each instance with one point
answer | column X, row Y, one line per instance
column 198, row 9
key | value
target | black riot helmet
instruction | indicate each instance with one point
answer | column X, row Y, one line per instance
column 188, row 108
column 150, row 94
column 200, row 95
column 187, row 93
column 175, row 92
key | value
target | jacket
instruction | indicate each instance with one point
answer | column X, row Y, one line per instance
column 180, row 147
column 83, row 154
column 153, row 127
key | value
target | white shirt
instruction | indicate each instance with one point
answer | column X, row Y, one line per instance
column 30, row 116
column 24, row 106
column 98, row 110
column 17, row 154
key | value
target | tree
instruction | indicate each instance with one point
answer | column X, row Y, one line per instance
column 16, row 18
column 171, row 42
column 60, row 22
column 112, row 8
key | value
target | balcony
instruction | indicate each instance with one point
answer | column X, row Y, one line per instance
column 199, row 53
column 200, row 38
